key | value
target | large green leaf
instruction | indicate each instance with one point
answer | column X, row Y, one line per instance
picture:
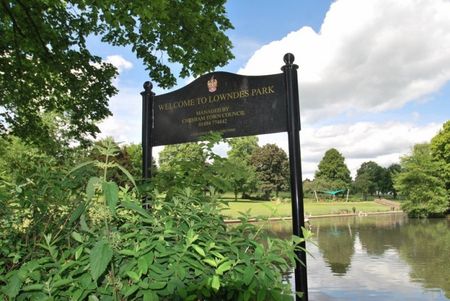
column 90, row 188
column 142, row 265
column 33, row 287
column 99, row 258
column 224, row 267
column 133, row 276
column 157, row 285
column 136, row 208
column 215, row 283
column 126, row 172
column 150, row 295
column 13, row 286
column 77, row 236
column 248, row 275
column 211, row 262
column 199, row 250
column 77, row 212
column 111, row 192
column 83, row 225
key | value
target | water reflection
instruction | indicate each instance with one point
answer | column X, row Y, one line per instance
column 385, row 257
column 336, row 244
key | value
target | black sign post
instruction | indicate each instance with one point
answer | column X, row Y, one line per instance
column 147, row 129
column 293, row 120
column 234, row 105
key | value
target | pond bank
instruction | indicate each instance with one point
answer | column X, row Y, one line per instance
column 283, row 218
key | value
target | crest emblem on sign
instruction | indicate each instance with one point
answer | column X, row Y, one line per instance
column 212, row 84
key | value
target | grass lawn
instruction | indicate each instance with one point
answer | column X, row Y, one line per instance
column 282, row 209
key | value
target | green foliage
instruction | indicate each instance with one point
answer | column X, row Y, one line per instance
column 272, row 168
column 239, row 171
column 370, row 178
column 113, row 249
column 421, row 184
column 440, row 150
column 240, row 176
column 49, row 38
column 332, row 168
column 392, row 170
column 171, row 155
column 242, row 148
column 364, row 184
column 193, row 165
column 36, row 196
column 99, row 258
column 129, row 157
column 182, row 163
column 134, row 152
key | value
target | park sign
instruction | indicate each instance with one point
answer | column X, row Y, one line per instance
column 233, row 105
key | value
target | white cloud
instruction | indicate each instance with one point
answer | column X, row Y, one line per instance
column 125, row 124
column 371, row 55
column 119, row 62
column 383, row 143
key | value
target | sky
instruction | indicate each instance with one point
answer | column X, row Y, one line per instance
column 374, row 75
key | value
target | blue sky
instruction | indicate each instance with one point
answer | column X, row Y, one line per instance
column 374, row 75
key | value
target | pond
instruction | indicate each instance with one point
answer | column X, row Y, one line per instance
column 382, row 257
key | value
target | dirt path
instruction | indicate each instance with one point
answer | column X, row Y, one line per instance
column 392, row 204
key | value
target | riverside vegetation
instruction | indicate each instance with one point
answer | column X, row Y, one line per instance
column 100, row 244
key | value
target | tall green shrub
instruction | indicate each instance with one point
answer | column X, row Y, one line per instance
column 113, row 249
column 421, row 184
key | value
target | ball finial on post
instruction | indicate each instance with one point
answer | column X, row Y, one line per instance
column 148, row 86
column 289, row 58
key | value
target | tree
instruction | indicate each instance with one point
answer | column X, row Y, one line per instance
column 392, row 170
column 182, row 163
column 332, row 168
column 370, row 178
column 363, row 184
column 241, row 173
column 440, row 150
column 242, row 147
column 172, row 155
column 240, row 176
column 421, row 184
column 46, row 66
column 272, row 167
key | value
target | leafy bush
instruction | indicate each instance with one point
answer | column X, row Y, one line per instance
column 35, row 197
column 422, row 185
column 110, row 248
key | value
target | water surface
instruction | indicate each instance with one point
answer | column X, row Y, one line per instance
column 383, row 257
